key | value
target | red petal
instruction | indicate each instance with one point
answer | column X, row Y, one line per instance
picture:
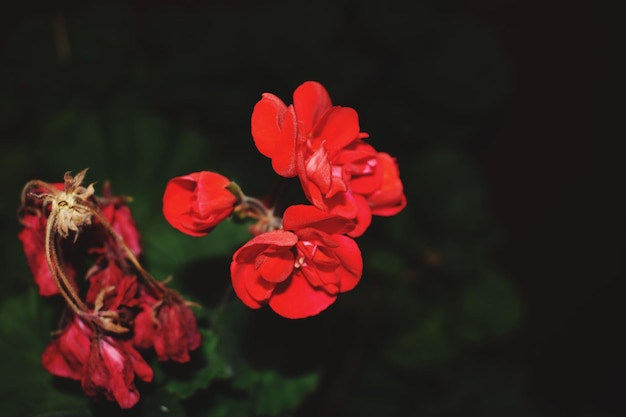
column 343, row 204
column 33, row 239
column 338, row 128
column 124, row 224
column 296, row 299
column 311, row 101
column 363, row 217
column 67, row 354
column 115, row 374
column 144, row 328
column 349, row 254
column 274, row 130
column 212, row 197
column 360, row 162
column 177, row 204
column 258, row 288
column 318, row 170
column 301, row 216
column 176, row 331
column 321, row 278
column 139, row 364
column 277, row 266
column 312, row 191
column 389, row 199
column 55, row 362
column 239, row 274
column 256, row 245
column 197, row 202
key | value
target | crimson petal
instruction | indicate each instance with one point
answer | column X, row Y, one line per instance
column 311, row 101
column 274, row 130
column 297, row 299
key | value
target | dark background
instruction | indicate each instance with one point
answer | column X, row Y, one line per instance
column 547, row 150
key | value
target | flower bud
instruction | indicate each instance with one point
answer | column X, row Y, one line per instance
column 195, row 203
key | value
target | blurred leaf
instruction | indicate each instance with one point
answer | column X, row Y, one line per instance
column 214, row 366
column 25, row 326
column 190, row 153
column 272, row 393
column 422, row 346
column 167, row 250
column 386, row 263
column 160, row 404
column 489, row 310
column 228, row 407
column 448, row 190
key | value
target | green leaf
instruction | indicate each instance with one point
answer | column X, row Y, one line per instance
column 277, row 394
column 422, row 345
column 228, row 407
column 214, row 366
column 273, row 393
column 26, row 321
column 386, row 263
column 167, row 250
column 489, row 310
column 160, row 403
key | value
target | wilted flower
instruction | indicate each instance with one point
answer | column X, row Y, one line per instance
column 101, row 363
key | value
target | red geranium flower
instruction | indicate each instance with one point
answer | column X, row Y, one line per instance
column 337, row 169
column 300, row 270
column 103, row 365
column 168, row 325
column 304, row 139
column 197, row 202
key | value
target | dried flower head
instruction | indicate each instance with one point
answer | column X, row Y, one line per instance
column 71, row 205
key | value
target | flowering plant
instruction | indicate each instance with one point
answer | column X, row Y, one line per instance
column 86, row 247
column 297, row 263
column 118, row 307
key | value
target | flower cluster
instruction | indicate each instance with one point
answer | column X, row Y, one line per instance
column 84, row 247
column 297, row 263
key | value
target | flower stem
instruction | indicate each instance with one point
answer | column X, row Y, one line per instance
column 256, row 209
column 60, row 278
column 131, row 257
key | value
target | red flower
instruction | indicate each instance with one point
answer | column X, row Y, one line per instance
column 33, row 237
column 337, row 169
column 197, row 202
column 106, row 275
column 168, row 325
column 102, row 364
column 311, row 145
column 298, row 271
column 120, row 218
column 111, row 369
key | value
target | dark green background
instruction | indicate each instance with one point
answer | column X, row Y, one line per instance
column 496, row 292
